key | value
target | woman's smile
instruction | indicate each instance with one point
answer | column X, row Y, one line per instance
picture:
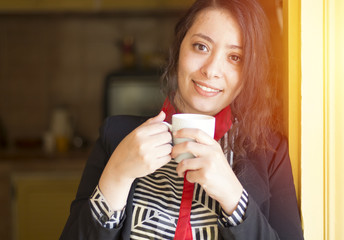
column 205, row 89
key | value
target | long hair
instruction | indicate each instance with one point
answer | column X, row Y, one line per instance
column 252, row 110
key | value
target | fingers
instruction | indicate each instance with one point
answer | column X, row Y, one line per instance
column 196, row 134
column 158, row 118
column 161, row 139
column 194, row 177
column 197, row 149
column 163, row 160
column 192, row 164
column 196, row 171
column 154, row 135
column 154, row 125
column 185, row 147
column 154, row 139
column 164, row 150
column 202, row 145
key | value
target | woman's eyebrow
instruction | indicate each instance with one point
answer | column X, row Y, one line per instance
column 204, row 37
column 209, row 39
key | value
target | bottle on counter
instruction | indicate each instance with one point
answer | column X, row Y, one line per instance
column 61, row 129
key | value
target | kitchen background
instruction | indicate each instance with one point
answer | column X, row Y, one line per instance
column 54, row 59
column 62, row 60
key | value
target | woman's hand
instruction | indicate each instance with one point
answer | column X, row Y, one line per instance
column 209, row 168
column 143, row 151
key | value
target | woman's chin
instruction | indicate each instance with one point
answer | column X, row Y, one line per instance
column 206, row 109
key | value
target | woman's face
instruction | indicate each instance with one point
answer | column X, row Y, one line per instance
column 209, row 66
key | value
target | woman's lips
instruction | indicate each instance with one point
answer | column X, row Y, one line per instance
column 206, row 90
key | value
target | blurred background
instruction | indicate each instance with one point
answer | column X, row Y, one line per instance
column 63, row 65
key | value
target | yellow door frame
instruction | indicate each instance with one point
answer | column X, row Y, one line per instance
column 334, row 119
column 313, row 36
column 292, row 101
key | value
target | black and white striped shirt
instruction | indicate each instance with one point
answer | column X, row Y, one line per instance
column 156, row 203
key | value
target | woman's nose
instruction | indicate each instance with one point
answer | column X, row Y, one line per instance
column 212, row 67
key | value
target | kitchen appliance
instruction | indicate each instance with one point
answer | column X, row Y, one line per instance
column 132, row 93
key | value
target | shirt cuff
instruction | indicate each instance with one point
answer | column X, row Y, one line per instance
column 102, row 212
column 237, row 216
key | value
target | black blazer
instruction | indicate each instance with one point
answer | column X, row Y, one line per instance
column 272, row 211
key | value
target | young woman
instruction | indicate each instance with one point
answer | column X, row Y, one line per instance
column 238, row 186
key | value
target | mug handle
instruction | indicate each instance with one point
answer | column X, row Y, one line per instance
column 168, row 125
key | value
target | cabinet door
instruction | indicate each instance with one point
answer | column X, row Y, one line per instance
column 92, row 5
column 17, row 5
column 68, row 5
column 46, row 5
column 177, row 4
column 129, row 4
column 41, row 203
column 145, row 5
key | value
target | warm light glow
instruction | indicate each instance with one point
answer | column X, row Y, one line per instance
column 334, row 54
column 322, row 114
column 291, row 38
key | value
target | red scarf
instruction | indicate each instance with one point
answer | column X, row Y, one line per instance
column 223, row 123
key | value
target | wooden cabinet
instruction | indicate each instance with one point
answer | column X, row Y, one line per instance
column 91, row 5
column 36, row 193
column 17, row 5
column 41, row 203
column 45, row 5
column 61, row 5
column 129, row 5
column 145, row 5
column 177, row 4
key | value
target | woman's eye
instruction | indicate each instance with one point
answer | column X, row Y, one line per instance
column 235, row 58
column 200, row 47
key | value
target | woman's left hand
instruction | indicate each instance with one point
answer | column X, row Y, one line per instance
column 209, row 168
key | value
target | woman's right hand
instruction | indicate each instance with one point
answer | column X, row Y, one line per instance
column 140, row 153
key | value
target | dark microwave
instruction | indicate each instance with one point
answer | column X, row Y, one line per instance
column 132, row 93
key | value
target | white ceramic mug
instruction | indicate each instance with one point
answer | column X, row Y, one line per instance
column 187, row 120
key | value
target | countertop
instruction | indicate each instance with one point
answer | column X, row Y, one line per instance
column 34, row 162
column 38, row 154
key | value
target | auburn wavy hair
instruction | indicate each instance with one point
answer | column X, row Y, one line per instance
column 253, row 109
